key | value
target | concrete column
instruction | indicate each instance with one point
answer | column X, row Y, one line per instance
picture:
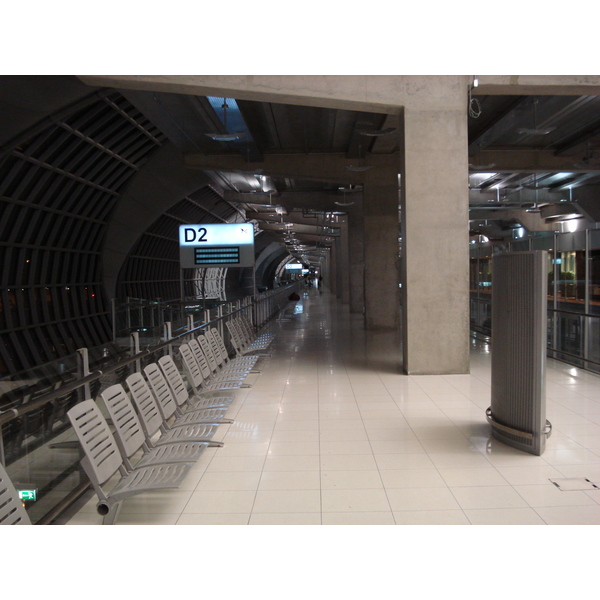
column 326, row 270
column 344, row 259
column 435, row 255
column 333, row 268
column 356, row 237
column 381, row 229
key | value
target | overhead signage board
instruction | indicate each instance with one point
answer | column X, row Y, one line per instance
column 216, row 245
column 294, row 267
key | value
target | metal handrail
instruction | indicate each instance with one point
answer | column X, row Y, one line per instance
column 13, row 413
column 573, row 312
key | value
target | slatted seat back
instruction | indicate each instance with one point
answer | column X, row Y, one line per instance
column 102, row 457
column 191, row 366
column 235, row 337
column 246, row 326
column 165, row 401
column 201, row 358
column 242, row 333
column 173, row 378
column 129, row 432
column 207, row 350
column 215, row 347
column 216, row 336
column 160, row 387
column 12, row 511
column 148, row 409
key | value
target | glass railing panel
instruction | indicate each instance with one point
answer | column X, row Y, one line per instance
column 569, row 339
column 593, row 343
column 40, row 452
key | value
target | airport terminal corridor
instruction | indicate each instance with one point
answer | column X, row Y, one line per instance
column 331, row 432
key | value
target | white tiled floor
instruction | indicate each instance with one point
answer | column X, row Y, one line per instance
column 331, row 433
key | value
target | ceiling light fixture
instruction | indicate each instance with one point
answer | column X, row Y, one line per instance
column 535, row 130
column 376, row 132
column 226, row 137
column 360, row 167
column 344, row 203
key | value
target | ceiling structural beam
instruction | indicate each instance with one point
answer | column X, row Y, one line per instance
column 573, row 182
column 526, row 161
column 581, row 137
column 329, row 167
column 371, row 93
column 519, row 197
column 333, row 201
column 300, row 224
column 503, row 122
column 531, row 119
column 532, row 221
column 539, row 85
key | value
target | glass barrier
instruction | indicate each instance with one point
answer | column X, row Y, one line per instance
column 573, row 292
column 573, row 337
column 37, row 445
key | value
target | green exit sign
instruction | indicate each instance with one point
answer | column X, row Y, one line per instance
column 28, row 495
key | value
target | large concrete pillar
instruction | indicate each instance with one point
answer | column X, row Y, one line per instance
column 333, row 268
column 344, row 291
column 435, row 258
column 356, row 235
column 381, row 228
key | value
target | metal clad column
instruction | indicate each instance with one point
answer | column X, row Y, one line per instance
column 519, row 330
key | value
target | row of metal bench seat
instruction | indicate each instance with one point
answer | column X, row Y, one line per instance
column 159, row 433
column 159, row 429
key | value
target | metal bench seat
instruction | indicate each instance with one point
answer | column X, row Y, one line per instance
column 203, row 354
column 242, row 345
column 175, row 383
column 196, row 378
column 246, row 325
column 131, row 437
column 164, row 418
column 219, row 344
column 12, row 511
column 217, row 357
column 103, row 460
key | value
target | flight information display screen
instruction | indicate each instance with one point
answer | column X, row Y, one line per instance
column 222, row 254
column 216, row 245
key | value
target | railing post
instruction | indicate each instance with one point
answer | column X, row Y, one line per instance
column 167, row 335
column 83, row 370
column 2, row 457
column 587, row 322
column 128, row 313
column 113, row 310
column 555, row 273
column 135, row 349
column 220, row 320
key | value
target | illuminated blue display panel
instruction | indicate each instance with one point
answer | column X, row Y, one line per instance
column 216, row 245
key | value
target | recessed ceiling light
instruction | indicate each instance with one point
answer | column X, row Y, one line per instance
column 359, row 168
column 376, row 132
column 226, row 137
column 528, row 131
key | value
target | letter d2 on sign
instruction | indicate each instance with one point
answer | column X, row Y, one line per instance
column 216, row 245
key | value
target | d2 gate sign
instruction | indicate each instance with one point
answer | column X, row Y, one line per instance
column 221, row 245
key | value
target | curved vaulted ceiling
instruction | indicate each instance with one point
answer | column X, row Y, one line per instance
column 95, row 179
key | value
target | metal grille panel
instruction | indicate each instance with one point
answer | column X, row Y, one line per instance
column 519, row 298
